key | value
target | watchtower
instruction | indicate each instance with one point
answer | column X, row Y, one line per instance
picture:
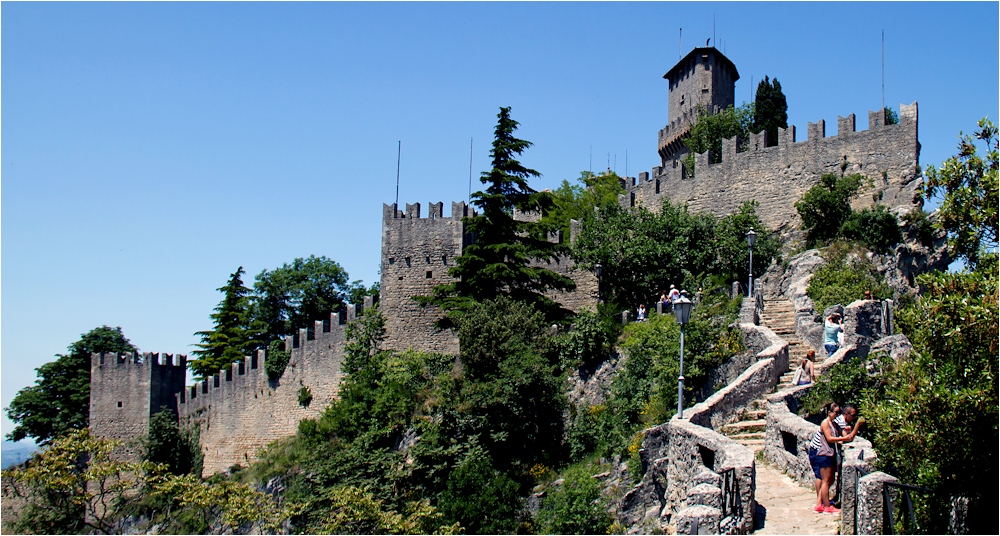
column 704, row 78
column 126, row 390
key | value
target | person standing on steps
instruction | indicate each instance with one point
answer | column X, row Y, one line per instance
column 641, row 316
column 831, row 330
column 822, row 457
column 673, row 296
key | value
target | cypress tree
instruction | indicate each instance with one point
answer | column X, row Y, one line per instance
column 770, row 110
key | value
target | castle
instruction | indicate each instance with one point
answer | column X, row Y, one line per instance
column 240, row 410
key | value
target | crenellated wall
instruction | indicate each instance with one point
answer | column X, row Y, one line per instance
column 239, row 410
column 778, row 176
column 127, row 389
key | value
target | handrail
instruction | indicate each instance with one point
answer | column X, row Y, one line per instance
column 888, row 517
column 731, row 494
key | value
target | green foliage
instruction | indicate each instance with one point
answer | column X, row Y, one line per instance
column 234, row 335
column 276, row 359
column 710, row 129
column 305, row 396
column 970, row 207
column 352, row 510
column 890, row 116
column 917, row 220
column 575, row 507
column 642, row 252
column 936, row 426
column 844, row 278
column 588, row 340
column 76, row 484
column 217, row 506
column 481, row 498
column 498, row 262
column 169, row 445
column 874, row 227
column 731, row 246
column 295, row 294
column 849, row 382
column 60, row 399
column 770, row 110
column 827, row 205
column 575, row 201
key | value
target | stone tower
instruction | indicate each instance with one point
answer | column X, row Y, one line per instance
column 126, row 390
column 704, row 78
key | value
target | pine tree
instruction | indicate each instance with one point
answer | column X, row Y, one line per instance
column 498, row 261
column 233, row 336
column 770, row 110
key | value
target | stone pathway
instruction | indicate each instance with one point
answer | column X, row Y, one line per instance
column 784, row 507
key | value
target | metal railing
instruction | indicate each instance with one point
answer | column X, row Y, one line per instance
column 888, row 512
column 731, row 505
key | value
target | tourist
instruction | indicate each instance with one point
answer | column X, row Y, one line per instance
column 805, row 375
column 831, row 330
column 868, row 295
column 664, row 302
column 641, row 317
column 674, row 295
column 847, row 418
column 822, row 456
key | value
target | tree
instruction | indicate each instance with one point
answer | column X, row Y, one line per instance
column 499, row 261
column 731, row 245
column 289, row 297
column 827, row 205
column 710, row 129
column 576, row 201
column 172, row 446
column 234, row 335
column 936, row 423
column 60, row 399
column 968, row 183
column 770, row 110
column 75, row 484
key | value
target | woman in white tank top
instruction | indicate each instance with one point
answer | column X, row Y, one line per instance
column 823, row 458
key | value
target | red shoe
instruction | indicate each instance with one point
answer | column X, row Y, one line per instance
column 831, row 510
column 818, row 509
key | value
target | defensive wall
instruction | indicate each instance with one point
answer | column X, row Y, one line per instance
column 239, row 410
column 778, row 176
column 127, row 389
column 416, row 255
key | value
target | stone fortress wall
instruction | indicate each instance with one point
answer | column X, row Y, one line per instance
column 239, row 410
column 127, row 389
column 778, row 176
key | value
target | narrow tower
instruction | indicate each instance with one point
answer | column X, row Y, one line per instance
column 704, row 78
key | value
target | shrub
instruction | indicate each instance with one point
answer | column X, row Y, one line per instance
column 305, row 396
column 827, row 205
column 276, row 360
column 843, row 279
column 917, row 220
column 575, row 507
column 874, row 227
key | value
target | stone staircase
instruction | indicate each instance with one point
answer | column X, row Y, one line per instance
column 779, row 316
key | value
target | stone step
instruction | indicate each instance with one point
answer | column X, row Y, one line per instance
column 755, row 445
column 748, row 436
column 741, row 427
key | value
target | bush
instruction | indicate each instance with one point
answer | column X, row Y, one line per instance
column 169, row 444
column 588, row 340
column 827, row 205
column 480, row 498
column 917, row 220
column 276, row 360
column 844, row 278
column 875, row 227
column 575, row 507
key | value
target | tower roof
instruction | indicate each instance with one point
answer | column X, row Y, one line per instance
column 703, row 50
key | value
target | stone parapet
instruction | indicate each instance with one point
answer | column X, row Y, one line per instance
column 871, row 502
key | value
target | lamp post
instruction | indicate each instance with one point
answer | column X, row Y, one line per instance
column 751, row 239
column 682, row 308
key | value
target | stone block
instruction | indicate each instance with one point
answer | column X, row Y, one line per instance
column 697, row 520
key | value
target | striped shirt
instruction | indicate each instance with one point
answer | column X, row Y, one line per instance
column 819, row 442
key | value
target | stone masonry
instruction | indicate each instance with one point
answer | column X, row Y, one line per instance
column 778, row 176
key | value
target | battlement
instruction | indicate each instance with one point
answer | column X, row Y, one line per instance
column 459, row 210
column 777, row 176
column 150, row 359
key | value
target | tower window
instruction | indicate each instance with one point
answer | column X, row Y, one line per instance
column 119, row 403
column 428, row 259
column 429, row 274
column 407, row 262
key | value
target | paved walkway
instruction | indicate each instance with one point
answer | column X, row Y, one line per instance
column 785, row 507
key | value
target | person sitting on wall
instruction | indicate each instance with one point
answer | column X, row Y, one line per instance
column 673, row 296
column 641, row 316
column 831, row 330
column 805, row 374
column 868, row 295
column 664, row 302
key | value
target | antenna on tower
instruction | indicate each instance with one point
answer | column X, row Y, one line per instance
column 883, row 77
column 680, row 39
column 399, row 147
column 626, row 162
column 470, row 171
column 713, row 28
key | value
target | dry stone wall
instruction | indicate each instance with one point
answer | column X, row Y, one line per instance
column 239, row 410
column 778, row 176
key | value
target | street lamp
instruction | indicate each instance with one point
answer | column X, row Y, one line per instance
column 751, row 239
column 682, row 308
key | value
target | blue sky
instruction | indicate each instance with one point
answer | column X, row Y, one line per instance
column 149, row 149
